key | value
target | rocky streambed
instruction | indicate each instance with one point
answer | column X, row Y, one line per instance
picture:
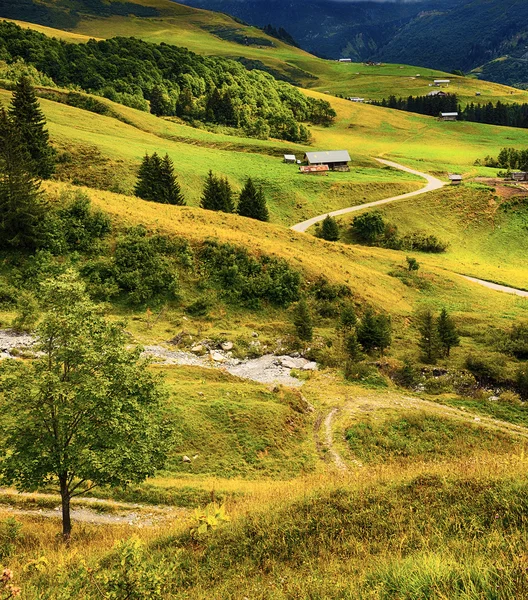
column 269, row 368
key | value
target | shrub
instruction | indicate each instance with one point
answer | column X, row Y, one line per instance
column 423, row 243
column 10, row 533
column 486, row 370
column 368, row 227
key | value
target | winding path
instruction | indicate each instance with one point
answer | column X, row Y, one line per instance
column 497, row 287
column 432, row 184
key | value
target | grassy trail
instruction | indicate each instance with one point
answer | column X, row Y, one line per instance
column 433, row 184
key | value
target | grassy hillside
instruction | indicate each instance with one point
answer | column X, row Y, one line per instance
column 211, row 33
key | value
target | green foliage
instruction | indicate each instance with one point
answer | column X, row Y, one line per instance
column 303, row 322
column 374, row 332
column 417, row 435
column 412, row 263
column 423, row 243
column 86, row 412
column 157, row 181
column 522, row 382
column 10, row 534
column 486, row 369
column 447, row 332
column 141, row 266
column 329, row 229
column 347, row 318
column 368, row 227
column 176, row 81
column 208, row 519
column 133, row 577
column 252, row 203
column 30, row 122
column 217, row 194
column 429, row 343
column 22, row 209
column 249, row 280
column 27, row 312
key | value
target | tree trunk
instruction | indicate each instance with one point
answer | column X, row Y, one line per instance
column 66, row 517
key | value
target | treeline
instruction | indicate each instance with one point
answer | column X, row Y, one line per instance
column 509, row 115
column 175, row 81
column 280, row 34
column 509, row 158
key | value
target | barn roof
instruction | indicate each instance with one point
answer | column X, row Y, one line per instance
column 289, row 157
column 451, row 114
column 328, row 156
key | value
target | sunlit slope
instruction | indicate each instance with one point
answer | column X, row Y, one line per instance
column 487, row 235
column 365, row 270
column 211, row 33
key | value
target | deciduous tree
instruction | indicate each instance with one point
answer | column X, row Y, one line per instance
column 86, row 412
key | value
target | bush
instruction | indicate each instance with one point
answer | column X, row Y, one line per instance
column 423, row 243
column 247, row 279
column 368, row 227
column 486, row 370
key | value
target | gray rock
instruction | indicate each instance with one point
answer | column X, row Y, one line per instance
column 186, row 459
column 217, row 357
column 197, row 349
column 226, row 346
column 311, row 366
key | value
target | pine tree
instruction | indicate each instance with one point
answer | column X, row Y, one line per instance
column 429, row 340
column 447, row 332
column 252, row 203
column 22, row 209
column 330, row 229
column 226, row 196
column 159, row 105
column 211, row 194
column 374, row 332
column 302, row 319
column 27, row 116
column 352, row 347
column 170, row 188
column 347, row 318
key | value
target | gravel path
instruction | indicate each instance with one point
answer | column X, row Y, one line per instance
column 432, row 184
column 497, row 287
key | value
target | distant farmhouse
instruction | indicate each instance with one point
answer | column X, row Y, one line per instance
column 437, row 93
column 336, row 160
column 439, row 82
column 346, row 60
column 448, row 116
column 290, row 159
column 455, row 179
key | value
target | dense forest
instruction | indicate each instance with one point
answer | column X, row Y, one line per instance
column 510, row 115
column 174, row 80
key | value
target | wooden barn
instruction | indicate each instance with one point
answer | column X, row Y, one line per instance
column 455, row 179
column 290, row 159
column 336, row 160
column 448, row 116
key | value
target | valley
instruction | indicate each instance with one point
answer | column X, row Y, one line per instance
column 293, row 433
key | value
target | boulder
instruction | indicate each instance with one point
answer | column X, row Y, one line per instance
column 311, row 366
column 197, row 349
column 186, row 459
column 217, row 357
column 226, row 346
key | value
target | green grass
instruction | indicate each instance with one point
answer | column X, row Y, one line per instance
column 417, row 435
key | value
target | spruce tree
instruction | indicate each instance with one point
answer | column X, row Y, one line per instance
column 211, row 194
column 22, row 209
column 302, row 319
column 170, row 188
column 29, row 119
column 251, row 202
column 429, row 340
column 374, row 332
column 447, row 332
column 144, row 187
column 226, row 195
column 330, row 229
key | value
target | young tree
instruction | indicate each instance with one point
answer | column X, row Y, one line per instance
column 159, row 103
column 330, row 229
column 302, row 319
column 147, row 177
column 374, row 332
column 447, row 332
column 352, row 347
column 368, row 227
column 29, row 119
column 347, row 318
column 251, row 202
column 87, row 411
column 429, row 341
column 22, row 209
column 412, row 264
column 170, row 188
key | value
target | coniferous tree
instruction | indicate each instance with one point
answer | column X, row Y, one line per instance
column 159, row 105
column 145, row 179
column 374, row 332
column 22, row 209
column 226, row 196
column 170, row 188
column 211, row 194
column 330, row 229
column 429, row 340
column 352, row 347
column 447, row 332
column 302, row 319
column 252, row 203
column 347, row 318
column 29, row 119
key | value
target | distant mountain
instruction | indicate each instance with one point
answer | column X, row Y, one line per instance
column 441, row 34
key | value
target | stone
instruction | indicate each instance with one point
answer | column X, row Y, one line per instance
column 195, row 456
column 197, row 349
column 226, row 346
column 186, row 459
column 217, row 357
column 289, row 363
column 255, row 334
column 311, row 366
